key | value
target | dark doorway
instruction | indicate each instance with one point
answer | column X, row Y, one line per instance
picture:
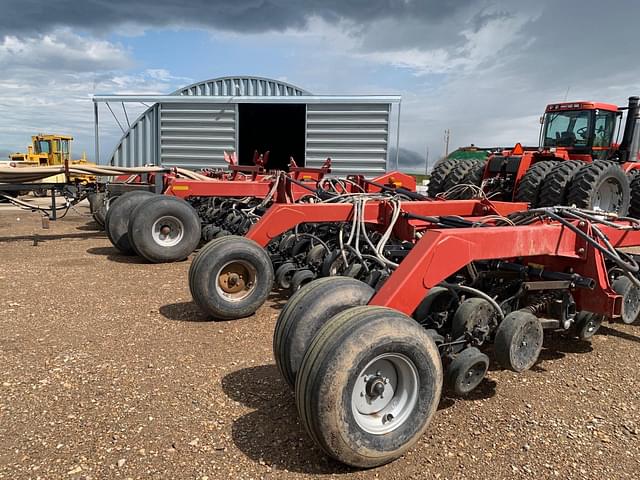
column 278, row 129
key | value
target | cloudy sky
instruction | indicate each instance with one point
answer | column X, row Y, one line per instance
column 483, row 69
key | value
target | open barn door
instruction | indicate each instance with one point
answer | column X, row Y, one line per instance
column 275, row 128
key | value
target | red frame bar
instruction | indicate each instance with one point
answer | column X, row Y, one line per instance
column 283, row 217
column 441, row 253
column 217, row 188
column 260, row 185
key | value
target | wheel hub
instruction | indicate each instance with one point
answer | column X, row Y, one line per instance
column 474, row 375
column 375, row 386
column 231, row 279
column 167, row 231
column 236, row 280
column 631, row 305
column 385, row 393
column 591, row 326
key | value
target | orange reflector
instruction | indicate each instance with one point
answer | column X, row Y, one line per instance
column 394, row 182
column 306, row 177
column 180, row 188
column 517, row 150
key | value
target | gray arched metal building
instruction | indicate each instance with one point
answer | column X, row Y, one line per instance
column 195, row 125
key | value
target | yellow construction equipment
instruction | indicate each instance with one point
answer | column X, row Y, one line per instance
column 48, row 150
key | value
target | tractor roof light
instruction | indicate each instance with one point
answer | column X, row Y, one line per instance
column 568, row 106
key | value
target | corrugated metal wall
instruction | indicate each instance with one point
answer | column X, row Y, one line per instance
column 242, row 86
column 140, row 144
column 196, row 135
column 355, row 136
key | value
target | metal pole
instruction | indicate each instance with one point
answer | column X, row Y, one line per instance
column 398, row 135
column 95, row 122
column 447, row 134
column 54, row 211
column 426, row 162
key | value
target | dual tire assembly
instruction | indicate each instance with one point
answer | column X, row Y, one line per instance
column 368, row 379
column 159, row 228
column 599, row 185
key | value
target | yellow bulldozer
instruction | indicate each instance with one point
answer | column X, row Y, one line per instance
column 48, row 150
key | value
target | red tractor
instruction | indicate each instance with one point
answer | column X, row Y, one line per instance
column 579, row 162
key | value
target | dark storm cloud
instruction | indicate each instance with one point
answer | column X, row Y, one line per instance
column 237, row 15
column 482, row 68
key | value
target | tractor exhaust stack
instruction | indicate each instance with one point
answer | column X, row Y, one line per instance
column 633, row 110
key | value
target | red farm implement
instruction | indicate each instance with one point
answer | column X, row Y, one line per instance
column 412, row 293
column 361, row 236
column 169, row 227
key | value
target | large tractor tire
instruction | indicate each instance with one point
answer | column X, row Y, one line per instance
column 471, row 175
column 438, row 175
column 456, row 177
column 634, row 208
column 601, row 185
column 232, row 278
column 556, row 184
column 474, row 176
column 118, row 216
column 164, row 229
column 528, row 190
column 306, row 312
column 369, row 384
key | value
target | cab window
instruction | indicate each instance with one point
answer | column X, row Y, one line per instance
column 43, row 147
column 567, row 129
column 604, row 129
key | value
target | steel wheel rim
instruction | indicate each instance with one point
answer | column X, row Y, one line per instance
column 527, row 346
column 385, row 393
column 167, row 231
column 608, row 196
column 473, row 376
column 591, row 326
column 236, row 280
column 631, row 305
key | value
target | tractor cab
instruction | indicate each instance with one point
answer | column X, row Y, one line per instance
column 45, row 150
column 52, row 149
column 584, row 129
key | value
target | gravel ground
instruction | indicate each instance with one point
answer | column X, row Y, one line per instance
column 110, row 371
